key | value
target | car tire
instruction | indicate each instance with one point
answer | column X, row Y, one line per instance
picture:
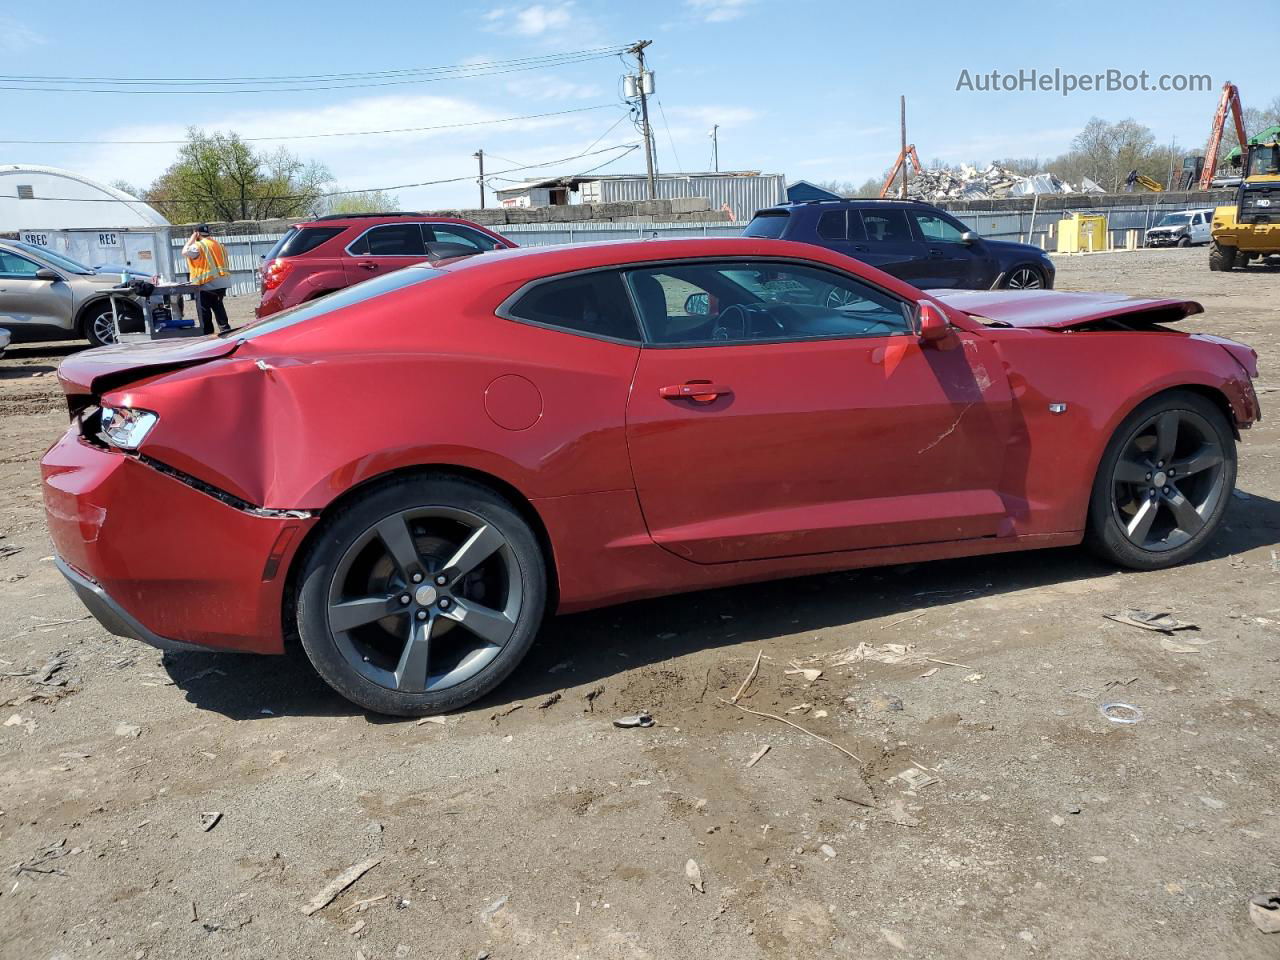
column 1024, row 277
column 418, row 654
column 1221, row 256
column 97, row 327
column 1184, row 241
column 1130, row 526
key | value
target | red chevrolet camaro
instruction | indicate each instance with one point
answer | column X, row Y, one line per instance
column 407, row 475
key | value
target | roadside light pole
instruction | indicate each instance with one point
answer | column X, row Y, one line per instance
column 715, row 148
column 479, row 155
column 645, row 130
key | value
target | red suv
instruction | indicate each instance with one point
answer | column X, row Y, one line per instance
column 329, row 253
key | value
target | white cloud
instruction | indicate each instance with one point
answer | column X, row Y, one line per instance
column 15, row 37
column 535, row 87
column 532, row 21
column 366, row 162
column 718, row 11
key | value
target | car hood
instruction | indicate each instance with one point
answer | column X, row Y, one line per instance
column 1016, row 249
column 96, row 371
column 1058, row 310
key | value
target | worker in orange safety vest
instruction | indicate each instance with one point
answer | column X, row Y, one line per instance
column 207, row 266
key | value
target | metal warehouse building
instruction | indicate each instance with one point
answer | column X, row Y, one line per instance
column 51, row 199
column 743, row 192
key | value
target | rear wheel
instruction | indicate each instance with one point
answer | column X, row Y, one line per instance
column 1221, row 256
column 1024, row 278
column 1164, row 482
column 422, row 596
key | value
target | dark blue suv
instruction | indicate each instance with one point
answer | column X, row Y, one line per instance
column 911, row 240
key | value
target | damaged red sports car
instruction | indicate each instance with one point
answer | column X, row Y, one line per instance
column 407, row 475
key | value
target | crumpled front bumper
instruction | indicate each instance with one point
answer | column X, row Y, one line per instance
column 1163, row 239
column 156, row 559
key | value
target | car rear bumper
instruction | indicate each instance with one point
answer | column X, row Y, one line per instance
column 158, row 560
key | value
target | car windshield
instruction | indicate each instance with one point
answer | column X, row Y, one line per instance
column 1264, row 160
column 1174, row 220
column 335, row 301
column 58, row 260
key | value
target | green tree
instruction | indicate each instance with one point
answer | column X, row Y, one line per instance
column 364, row 201
column 218, row 176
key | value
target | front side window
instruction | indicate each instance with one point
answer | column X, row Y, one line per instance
column 16, row 267
column 594, row 304
column 886, row 226
column 934, row 229
column 749, row 301
column 462, row 236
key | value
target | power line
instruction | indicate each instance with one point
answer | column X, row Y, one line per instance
column 464, row 74
column 670, row 139
column 291, row 78
column 319, row 136
column 625, row 147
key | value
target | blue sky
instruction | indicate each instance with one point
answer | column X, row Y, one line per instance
column 808, row 88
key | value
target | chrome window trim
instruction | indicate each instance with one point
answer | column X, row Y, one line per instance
column 498, row 245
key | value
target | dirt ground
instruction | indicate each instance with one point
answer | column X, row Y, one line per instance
column 528, row 826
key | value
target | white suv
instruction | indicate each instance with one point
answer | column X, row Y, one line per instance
column 1181, row 229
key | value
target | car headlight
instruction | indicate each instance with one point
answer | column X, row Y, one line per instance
column 125, row 427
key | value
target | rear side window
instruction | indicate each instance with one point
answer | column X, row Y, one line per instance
column 391, row 240
column 831, row 225
column 886, row 226
column 767, row 223
column 595, row 304
column 300, row 240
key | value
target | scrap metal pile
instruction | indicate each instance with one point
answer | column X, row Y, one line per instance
column 993, row 182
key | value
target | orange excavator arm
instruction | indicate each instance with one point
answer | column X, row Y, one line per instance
column 1230, row 100
column 907, row 153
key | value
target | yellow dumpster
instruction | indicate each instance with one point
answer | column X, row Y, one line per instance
column 1082, row 233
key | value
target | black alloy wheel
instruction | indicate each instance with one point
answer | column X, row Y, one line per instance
column 421, row 597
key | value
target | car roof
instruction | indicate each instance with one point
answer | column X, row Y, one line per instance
column 372, row 220
column 523, row 264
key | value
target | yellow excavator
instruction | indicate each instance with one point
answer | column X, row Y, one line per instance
column 1250, row 228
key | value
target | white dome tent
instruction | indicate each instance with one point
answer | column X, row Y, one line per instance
column 51, row 199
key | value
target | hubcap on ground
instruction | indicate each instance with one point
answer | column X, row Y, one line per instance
column 1024, row 278
column 425, row 599
column 1168, row 480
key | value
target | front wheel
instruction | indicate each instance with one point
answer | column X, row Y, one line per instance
column 1164, row 482
column 1024, row 278
column 1184, row 241
column 98, row 324
column 1221, row 256
column 422, row 596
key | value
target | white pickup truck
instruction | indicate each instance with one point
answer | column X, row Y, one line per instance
column 1181, row 229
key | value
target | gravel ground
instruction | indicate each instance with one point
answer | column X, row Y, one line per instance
column 528, row 826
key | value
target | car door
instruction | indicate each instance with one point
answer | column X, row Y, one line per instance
column 950, row 261
column 800, row 414
column 1200, row 224
column 882, row 237
column 384, row 248
column 26, row 301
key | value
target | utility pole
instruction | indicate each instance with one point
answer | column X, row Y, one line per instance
column 715, row 148
column 479, row 155
column 902, row 191
column 638, row 50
